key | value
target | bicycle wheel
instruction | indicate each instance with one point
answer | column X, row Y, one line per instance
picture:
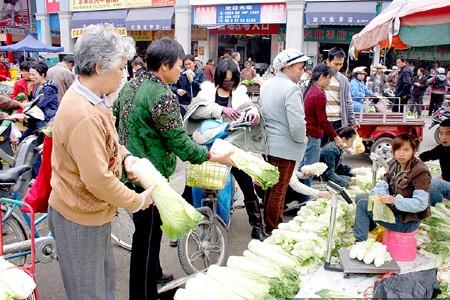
column 122, row 229
column 197, row 250
column 13, row 232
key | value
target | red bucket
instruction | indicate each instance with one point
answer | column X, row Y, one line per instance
column 401, row 245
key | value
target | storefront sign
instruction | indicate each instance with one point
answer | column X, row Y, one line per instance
column 330, row 35
column 77, row 32
column 52, row 6
column 18, row 9
column 86, row 5
column 199, row 34
column 215, row 2
column 141, row 35
column 247, row 29
column 240, row 14
column 338, row 18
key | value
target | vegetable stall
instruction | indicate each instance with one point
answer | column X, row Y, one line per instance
column 290, row 263
column 294, row 262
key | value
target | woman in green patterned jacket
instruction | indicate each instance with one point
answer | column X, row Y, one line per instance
column 150, row 125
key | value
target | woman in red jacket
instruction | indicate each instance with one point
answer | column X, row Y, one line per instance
column 24, row 85
column 4, row 69
column 316, row 116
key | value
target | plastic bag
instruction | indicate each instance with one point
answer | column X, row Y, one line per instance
column 380, row 211
column 358, row 145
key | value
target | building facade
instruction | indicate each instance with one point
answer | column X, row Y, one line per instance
column 257, row 29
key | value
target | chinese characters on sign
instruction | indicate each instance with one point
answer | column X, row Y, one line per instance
column 80, row 5
column 137, row 27
column 240, row 14
column 247, row 29
column 77, row 32
column 330, row 35
column 338, row 18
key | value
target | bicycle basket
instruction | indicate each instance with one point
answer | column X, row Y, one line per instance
column 208, row 175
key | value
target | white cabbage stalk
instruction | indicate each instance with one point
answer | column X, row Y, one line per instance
column 315, row 169
column 15, row 282
column 184, row 294
column 178, row 217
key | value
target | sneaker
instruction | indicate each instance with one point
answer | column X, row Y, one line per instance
column 173, row 244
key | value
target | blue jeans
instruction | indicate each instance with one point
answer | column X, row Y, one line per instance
column 364, row 221
column 439, row 189
column 312, row 155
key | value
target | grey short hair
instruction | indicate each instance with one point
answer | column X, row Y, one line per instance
column 101, row 45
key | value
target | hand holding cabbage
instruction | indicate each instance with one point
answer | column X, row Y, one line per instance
column 177, row 216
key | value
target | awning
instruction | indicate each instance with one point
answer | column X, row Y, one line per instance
column 115, row 17
column 156, row 18
column 341, row 13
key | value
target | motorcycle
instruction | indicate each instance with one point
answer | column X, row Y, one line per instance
column 443, row 113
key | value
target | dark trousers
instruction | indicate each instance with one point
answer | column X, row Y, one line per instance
column 145, row 268
column 325, row 138
column 274, row 197
column 251, row 202
column 398, row 104
column 417, row 101
column 436, row 101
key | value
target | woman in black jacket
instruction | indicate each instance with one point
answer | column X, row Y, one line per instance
column 419, row 87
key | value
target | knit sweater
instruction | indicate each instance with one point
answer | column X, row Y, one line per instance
column 150, row 125
column 86, row 164
column 315, row 114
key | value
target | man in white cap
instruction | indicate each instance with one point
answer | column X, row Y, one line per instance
column 379, row 79
column 282, row 109
column 438, row 84
column 358, row 89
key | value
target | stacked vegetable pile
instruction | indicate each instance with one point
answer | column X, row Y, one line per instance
column 270, row 269
column 434, row 232
column 370, row 252
column 305, row 237
column 434, row 237
column 264, row 272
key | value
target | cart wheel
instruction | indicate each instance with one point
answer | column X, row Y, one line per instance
column 436, row 136
column 383, row 147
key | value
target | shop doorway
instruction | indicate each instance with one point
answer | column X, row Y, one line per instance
column 256, row 47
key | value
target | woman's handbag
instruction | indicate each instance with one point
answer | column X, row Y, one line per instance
column 38, row 194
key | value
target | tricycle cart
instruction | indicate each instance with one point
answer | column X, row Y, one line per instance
column 379, row 129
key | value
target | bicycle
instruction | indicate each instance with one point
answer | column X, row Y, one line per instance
column 213, row 189
column 17, row 224
column 30, row 268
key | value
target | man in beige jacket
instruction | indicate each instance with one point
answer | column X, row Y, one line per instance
column 62, row 75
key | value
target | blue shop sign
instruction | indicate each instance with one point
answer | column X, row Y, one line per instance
column 238, row 14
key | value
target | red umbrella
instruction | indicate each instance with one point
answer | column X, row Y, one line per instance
column 407, row 23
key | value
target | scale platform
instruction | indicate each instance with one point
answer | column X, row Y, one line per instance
column 353, row 266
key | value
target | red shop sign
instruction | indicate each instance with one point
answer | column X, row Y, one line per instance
column 247, row 29
column 52, row 6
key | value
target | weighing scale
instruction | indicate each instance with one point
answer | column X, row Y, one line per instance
column 348, row 265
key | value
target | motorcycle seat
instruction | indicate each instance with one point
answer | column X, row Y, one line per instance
column 10, row 176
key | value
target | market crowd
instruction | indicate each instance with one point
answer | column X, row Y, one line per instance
column 107, row 108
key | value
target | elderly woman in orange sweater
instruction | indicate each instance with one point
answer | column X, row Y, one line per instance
column 87, row 163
